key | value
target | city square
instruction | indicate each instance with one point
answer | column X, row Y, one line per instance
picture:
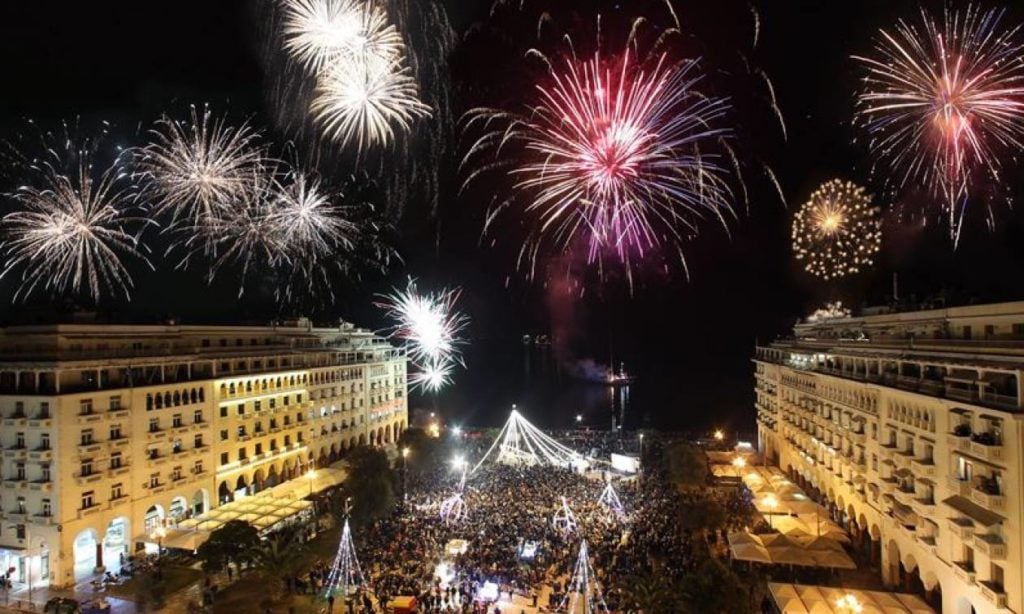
column 512, row 307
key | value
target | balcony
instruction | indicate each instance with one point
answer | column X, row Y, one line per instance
column 987, row 499
column 88, row 511
column 16, row 452
column 993, row 593
column 964, row 571
column 923, row 467
column 41, row 454
column 43, row 519
column 987, row 448
column 91, row 447
column 961, row 527
column 902, row 458
column 958, row 486
column 89, row 417
column 88, row 478
column 924, row 507
column 16, row 420
column 154, row 434
column 41, row 421
column 991, row 545
column 41, row 485
column 116, row 471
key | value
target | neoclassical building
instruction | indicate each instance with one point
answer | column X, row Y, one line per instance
column 909, row 425
column 110, row 431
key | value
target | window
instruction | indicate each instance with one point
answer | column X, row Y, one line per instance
column 273, row 444
column 47, row 508
column 154, row 425
column 116, row 491
column 46, row 473
column 224, row 458
column 223, row 411
column 176, row 421
column 85, row 406
column 197, row 441
column 176, row 474
column 86, row 437
column 198, row 467
column 44, row 410
column 115, row 431
column 224, row 435
column 241, row 409
column 257, row 406
column 176, row 446
column 86, row 468
column 259, row 449
column 87, row 499
column 287, row 440
column 996, row 575
column 241, row 431
column 154, row 480
column 20, row 531
column 115, row 460
column 241, row 454
column 19, row 442
column 21, row 505
column 115, row 403
column 197, row 417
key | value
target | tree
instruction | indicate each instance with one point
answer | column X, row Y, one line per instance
column 713, row 587
column 279, row 556
column 234, row 542
column 701, row 515
column 651, row 592
column 371, row 484
column 686, row 465
column 426, row 452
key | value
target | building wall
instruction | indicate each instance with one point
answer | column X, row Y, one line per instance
column 124, row 459
column 889, row 452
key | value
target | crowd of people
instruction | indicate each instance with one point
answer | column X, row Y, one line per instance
column 508, row 507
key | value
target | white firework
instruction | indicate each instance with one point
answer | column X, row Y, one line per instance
column 366, row 104
column 198, row 170
column 72, row 233
column 307, row 219
column 318, row 33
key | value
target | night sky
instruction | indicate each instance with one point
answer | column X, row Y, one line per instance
column 127, row 62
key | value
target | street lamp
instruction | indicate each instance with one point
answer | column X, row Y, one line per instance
column 849, row 603
column 579, row 418
column 405, row 471
column 770, row 502
column 739, row 462
column 311, row 474
column 159, row 534
column 719, row 435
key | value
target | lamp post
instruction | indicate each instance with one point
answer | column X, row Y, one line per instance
column 770, row 502
column 311, row 474
column 159, row 534
column 641, row 448
column 739, row 462
column 719, row 435
column 405, row 472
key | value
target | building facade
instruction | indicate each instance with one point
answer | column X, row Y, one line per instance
column 909, row 426
column 108, row 432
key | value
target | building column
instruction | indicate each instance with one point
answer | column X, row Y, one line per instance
column 99, row 552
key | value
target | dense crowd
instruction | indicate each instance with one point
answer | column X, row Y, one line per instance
column 506, row 507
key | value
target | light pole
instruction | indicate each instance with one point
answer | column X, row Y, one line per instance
column 311, row 474
column 405, row 472
column 719, row 435
column 641, row 448
column 159, row 534
column 770, row 502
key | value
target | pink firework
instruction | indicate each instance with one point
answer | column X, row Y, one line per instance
column 944, row 103
column 611, row 155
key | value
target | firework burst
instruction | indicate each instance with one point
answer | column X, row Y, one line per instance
column 611, row 156
column 430, row 328
column 366, row 103
column 837, row 232
column 943, row 103
column 72, row 232
column 200, row 170
column 319, row 33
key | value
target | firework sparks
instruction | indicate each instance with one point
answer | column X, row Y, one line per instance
column 367, row 103
column 944, row 102
column 201, row 169
column 612, row 157
column 837, row 232
column 319, row 33
column 307, row 218
column 73, row 233
column 430, row 328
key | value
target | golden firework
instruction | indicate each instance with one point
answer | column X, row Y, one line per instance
column 837, row 232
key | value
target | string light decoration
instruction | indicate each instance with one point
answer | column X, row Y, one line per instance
column 521, row 443
column 453, row 509
column 610, row 500
column 345, row 576
column 564, row 520
column 837, row 232
column 584, row 592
